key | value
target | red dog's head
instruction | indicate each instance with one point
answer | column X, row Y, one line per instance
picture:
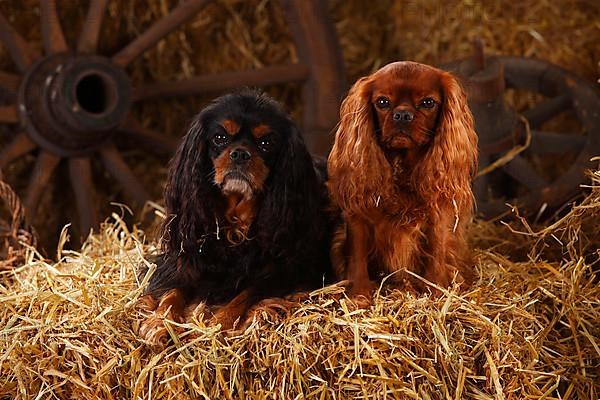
column 406, row 100
column 407, row 124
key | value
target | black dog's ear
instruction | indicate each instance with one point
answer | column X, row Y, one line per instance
column 190, row 209
column 292, row 197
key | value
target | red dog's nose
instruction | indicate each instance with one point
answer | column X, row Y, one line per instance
column 403, row 116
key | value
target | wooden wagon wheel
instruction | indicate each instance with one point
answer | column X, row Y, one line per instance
column 508, row 141
column 70, row 102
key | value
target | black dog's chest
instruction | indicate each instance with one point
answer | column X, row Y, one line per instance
column 221, row 255
column 226, row 269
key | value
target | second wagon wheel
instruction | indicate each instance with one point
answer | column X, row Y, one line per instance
column 66, row 105
column 524, row 159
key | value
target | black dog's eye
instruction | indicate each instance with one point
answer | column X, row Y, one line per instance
column 382, row 102
column 266, row 143
column 220, row 139
column 427, row 102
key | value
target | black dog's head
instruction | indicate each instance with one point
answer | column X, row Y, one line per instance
column 244, row 136
column 242, row 162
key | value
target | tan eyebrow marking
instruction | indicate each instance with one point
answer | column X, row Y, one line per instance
column 260, row 130
column 230, row 126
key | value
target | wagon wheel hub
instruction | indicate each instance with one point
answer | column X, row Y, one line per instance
column 71, row 104
column 496, row 123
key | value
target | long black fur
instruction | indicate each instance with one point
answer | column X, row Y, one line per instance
column 289, row 240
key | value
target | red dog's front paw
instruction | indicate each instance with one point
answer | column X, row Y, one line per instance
column 361, row 294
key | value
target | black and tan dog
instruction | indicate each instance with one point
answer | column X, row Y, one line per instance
column 246, row 215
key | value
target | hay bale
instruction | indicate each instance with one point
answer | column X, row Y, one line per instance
column 528, row 328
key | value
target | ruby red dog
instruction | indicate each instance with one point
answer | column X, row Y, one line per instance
column 400, row 170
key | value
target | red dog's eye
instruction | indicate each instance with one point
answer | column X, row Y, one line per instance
column 382, row 102
column 427, row 102
column 220, row 140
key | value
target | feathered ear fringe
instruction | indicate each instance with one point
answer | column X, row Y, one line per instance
column 291, row 200
column 359, row 175
column 447, row 170
column 190, row 211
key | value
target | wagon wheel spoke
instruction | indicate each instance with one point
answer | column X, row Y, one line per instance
column 9, row 81
column 522, row 171
column 9, row 115
column 158, row 30
column 567, row 185
column 18, row 48
column 224, row 81
column 43, row 170
column 80, row 171
column 152, row 140
column 544, row 111
column 555, row 143
column 117, row 167
column 19, row 146
column 52, row 34
column 88, row 39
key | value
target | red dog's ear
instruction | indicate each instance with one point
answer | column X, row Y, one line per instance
column 359, row 175
column 450, row 164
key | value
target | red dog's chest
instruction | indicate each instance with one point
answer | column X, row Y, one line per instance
column 396, row 245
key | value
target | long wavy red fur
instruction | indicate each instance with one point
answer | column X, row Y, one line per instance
column 418, row 223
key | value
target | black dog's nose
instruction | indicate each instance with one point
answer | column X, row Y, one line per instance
column 403, row 116
column 239, row 155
